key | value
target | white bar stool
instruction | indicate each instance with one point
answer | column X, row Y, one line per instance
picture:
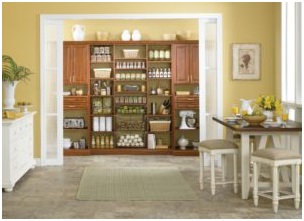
column 214, row 147
column 275, row 158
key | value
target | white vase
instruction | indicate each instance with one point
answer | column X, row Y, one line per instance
column 9, row 94
column 136, row 36
column 125, row 36
column 78, row 32
column 183, row 142
column 268, row 114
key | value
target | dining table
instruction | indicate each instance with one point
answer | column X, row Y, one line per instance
column 287, row 136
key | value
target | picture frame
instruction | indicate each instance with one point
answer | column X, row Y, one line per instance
column 73, row 122
column 246, row 61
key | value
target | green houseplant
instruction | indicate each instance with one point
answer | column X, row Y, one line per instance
column 12, row 73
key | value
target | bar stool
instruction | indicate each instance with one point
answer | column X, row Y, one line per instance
column 275, row 158
column 221, row 147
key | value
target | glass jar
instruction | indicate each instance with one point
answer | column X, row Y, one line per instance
column 161, row 54
column 167, row 54
column 151, row 54
column 156, row 54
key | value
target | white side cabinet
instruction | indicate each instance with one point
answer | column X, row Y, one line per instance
column 17, row 149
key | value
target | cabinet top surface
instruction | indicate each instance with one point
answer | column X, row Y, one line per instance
column 131, row 42
column 12, row 121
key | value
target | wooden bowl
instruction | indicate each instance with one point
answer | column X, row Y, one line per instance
column 254, row 120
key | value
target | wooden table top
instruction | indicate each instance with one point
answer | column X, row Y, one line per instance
column 240, row 126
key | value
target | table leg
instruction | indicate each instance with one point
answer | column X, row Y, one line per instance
column 229, row 158
column 245, row 161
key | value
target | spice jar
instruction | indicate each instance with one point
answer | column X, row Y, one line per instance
column 167, row 54
column 156, row 54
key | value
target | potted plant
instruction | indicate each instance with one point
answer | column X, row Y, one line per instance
column 12, row 73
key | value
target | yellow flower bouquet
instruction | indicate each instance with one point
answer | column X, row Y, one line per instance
column 269, row 102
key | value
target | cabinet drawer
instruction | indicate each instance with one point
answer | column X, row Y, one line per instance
column 187, row 105
column 75, row 102
column 186, row 99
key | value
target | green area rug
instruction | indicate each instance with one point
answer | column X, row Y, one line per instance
column 133, row 184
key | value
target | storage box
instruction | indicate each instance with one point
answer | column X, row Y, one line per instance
column 130, row 53
column 160, row 125
column 102, row 72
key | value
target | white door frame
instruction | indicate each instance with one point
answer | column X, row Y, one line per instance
column 202, row 18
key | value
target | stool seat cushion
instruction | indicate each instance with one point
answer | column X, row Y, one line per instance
column 218, row 144
column 276, row 154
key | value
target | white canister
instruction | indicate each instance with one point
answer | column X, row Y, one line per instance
column 102, row 123
column 136, row 36
column 108, row 123
column 125, row 36
column 95, row 124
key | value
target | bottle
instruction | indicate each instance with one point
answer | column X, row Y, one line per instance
column 169, row 73
column 93, row 142
column 97, row 142
column 161, row 73
column 153, row 72
column 153, row 108
column 165, row 73
column 143, row 88
column 102, row 142
column 111, row 142
column 157, row 73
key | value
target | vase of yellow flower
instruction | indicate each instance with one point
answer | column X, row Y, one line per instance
column 269, row 104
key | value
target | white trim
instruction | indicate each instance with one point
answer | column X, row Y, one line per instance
column 42, row 92
column 219, row 41
column 129, row 16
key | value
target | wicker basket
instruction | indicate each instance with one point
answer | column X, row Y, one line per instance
column 102, row 72
column 160, row 125
column 130, row 53
column 102, row 35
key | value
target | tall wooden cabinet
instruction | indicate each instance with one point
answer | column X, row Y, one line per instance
column 120, row 92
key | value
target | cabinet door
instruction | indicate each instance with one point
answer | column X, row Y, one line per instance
column 181, row 64
column 75, row 63
column 80, row 63
column 67, row 64
column 194, row 64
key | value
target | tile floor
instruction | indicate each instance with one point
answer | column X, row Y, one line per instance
column 49, row 192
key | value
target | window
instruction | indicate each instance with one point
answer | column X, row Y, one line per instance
column 291, row 58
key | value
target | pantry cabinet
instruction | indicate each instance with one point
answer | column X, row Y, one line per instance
column 129, row 94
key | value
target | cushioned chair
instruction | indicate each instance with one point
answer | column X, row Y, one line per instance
column 215, row 147
column 275, row 158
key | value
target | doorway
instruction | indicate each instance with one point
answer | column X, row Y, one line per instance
column 51, row 46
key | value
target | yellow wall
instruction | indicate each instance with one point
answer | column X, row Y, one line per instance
column 242, row 23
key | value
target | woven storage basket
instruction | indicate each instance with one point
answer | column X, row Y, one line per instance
column 102, row 72
column 254, row 120
column 160, row 125
column 130, row 53
column 102, row 35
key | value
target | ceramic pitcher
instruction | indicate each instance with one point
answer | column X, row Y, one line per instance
column 246, row 105
column 78, row 32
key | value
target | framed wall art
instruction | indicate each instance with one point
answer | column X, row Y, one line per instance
column 246, row 60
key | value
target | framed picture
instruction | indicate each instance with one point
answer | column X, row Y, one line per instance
column 246, row 60
column 73, row 122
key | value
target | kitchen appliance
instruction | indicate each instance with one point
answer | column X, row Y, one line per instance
column 187, row 116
